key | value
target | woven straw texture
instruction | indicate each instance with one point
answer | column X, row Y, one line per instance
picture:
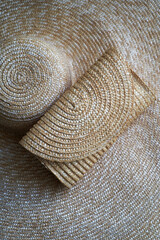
column 119, row 196
column 81, row 126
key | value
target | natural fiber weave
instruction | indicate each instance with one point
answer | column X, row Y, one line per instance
column 70, row 173
column 32, row 79
column 119, row 197
column 45, row 57
column 88, row 118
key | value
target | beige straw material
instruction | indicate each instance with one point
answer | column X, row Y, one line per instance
column 88, row 118
column 70, row 173
column 118, row 198
column 33, row 74
column 41, row 61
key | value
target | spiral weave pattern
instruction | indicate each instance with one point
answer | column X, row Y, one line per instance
column 88, row 118
column 119, row 197
column 71, row 172
column 33, row 73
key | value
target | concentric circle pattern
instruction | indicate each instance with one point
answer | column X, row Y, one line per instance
column 69, row 173
column 118, row 198
column 32, row 75
column 88, row 116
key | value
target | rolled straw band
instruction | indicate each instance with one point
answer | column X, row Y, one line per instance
column 88, row 118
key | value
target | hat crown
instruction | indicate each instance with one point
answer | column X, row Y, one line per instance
column 33, row 74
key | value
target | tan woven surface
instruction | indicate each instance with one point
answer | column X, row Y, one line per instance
column 33, row 74
column 70, row 173
column 88, row 118
column 119, row 197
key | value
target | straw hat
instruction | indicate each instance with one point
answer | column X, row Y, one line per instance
column 46, row 46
